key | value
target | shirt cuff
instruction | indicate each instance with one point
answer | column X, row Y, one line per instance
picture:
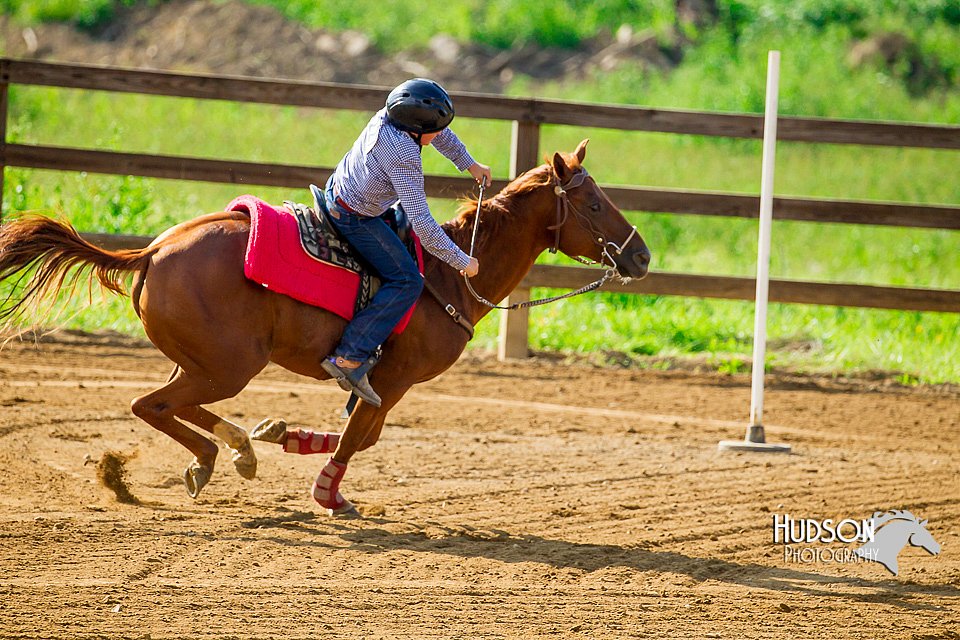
column 461, row 261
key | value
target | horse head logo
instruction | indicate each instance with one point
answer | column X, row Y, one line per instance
column 892, row 531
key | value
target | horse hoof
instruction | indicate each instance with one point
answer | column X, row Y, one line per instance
column 245, row 461
column 270, row 430
column 346, row 510
column 344, row 507
column 196, row 477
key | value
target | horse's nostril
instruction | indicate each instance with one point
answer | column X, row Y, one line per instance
column 642, row 258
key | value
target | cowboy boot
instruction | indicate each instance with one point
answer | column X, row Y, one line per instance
column 355, row 379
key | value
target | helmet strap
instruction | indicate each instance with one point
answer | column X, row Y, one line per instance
column 418, row 137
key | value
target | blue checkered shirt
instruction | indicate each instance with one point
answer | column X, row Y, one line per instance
column 385, row 165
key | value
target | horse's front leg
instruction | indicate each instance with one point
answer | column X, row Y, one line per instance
column 362, row 432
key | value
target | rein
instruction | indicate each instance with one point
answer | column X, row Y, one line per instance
column 563, row 212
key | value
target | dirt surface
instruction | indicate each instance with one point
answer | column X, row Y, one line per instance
column 504, row 500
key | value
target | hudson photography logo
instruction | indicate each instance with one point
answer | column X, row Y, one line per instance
column 878, row 539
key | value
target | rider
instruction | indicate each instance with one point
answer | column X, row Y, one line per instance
column 385, row 165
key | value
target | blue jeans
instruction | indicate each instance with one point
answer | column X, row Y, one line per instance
column 401, row 282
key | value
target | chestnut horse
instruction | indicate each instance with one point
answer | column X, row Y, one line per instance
column 221, row 329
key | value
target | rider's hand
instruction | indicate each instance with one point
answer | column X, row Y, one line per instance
column 481, row 173
column 471, row 269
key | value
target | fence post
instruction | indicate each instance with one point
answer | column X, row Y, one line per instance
column 515, row 325
column 4, row 85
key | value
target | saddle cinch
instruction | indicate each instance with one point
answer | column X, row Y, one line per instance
column 295, row 250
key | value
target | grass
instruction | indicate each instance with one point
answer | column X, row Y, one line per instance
column 393, row 25
column 724, row 71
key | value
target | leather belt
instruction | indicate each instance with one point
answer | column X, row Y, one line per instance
column 344, row 205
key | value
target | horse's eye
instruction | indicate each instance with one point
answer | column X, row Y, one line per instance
column 595, row 206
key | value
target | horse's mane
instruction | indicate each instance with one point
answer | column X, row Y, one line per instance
column 496, row 210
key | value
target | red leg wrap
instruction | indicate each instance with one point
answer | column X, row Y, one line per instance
column 306, row 442
column 326, row 488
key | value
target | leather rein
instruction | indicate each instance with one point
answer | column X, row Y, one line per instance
column 564, row 206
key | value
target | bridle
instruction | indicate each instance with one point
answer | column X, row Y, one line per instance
column 564, row 206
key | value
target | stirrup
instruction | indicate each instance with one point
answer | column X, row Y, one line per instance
column 354, row 380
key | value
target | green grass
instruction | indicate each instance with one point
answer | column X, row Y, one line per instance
column 83, row 13
column 724, row 71
column 393, row 25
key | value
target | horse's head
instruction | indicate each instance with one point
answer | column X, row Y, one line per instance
column 589, row 225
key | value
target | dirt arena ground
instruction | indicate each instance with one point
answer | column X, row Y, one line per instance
column 518, row 500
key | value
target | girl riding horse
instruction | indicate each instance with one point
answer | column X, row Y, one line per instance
column 222, row 329
column 384, row 165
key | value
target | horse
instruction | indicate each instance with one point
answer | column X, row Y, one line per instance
column 898, row 529
column 221, row 329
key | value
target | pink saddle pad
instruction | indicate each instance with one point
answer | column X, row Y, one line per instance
column 276, row 259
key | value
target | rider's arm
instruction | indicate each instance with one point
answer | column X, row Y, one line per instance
column 407, row 178
column 448, row 144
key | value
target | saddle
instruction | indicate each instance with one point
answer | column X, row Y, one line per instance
column 297, row 251
column 321, row 239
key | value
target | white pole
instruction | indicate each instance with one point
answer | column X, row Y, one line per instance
column 763, row 244
column 755, row 439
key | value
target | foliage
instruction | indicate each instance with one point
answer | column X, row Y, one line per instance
column 398, row 24
column 723, row 70
column 86, row 14
column 395, row 24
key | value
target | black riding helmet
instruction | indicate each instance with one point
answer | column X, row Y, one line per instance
column 420, row 106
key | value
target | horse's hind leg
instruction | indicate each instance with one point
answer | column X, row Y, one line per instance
column 235, row 437
column 183, row 395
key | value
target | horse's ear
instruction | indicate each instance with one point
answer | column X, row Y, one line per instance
column 581, row 151
column 560, row 166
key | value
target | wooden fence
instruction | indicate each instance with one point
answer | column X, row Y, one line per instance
column 527, row 116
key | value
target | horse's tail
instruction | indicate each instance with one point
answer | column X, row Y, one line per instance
column 55, row 248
